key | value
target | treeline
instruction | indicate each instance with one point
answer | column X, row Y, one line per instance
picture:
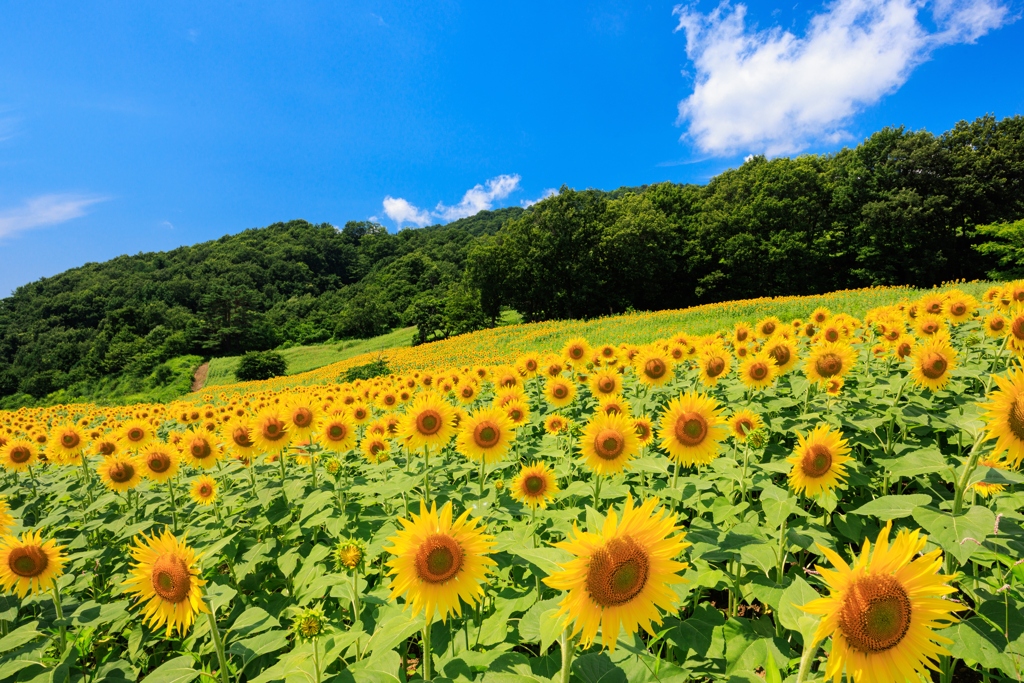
column 901, row 208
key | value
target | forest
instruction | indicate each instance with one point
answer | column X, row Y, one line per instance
column 902, row 207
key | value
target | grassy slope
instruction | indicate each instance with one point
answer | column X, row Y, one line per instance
column 506, row 344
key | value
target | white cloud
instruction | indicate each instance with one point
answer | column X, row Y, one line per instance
column 401, row 211
column 774, row 92
column 47, row 209
column 527, row 203
column 479, row 198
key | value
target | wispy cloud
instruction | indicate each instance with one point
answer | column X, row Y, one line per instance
column 550, row 192
column 774, row 92
column 43, row 210
column 476, row 199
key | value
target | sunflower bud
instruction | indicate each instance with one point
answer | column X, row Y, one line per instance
column 349, row 554
column 310, row 623
column 758, row 438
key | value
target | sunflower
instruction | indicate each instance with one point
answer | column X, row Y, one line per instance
column 820, row 315
column 691, row 429
column 621, row 575
column 270, row 430
column 783, row 351
column 518, row 412
column 535, row 485
column 18, row 455
column 468, row 392
column 203, row 490
column 105, row 446
column 237, row 437
column 119, row 473
column 933, row 360
column 559, row 391
column 200, row 448
column 555, row 424
column 608, row 443
column 376, row 449
column 768, row 326
column 486, row 435
column 743, row 422
column 613, row 405
column 303, row 416
column 349, row 554
column 644, row 429
column 932, row 304
column 136, row 434
column 741, row 333
column 758, row 371
column 904, row 346
column 606, row 383
column 165, row 576
column 986, row 490
column 882, row 612
column 1005, row 417
column 819, row 461
column 713, row 365
column 576, row 351
column 66, row 443
column 438, row 563
column 829, row 360
column 158, row 463
column 653, row 366
column 930, row 325
column 1015, row 338
column 427, row 423
column 959, row 306
column 995, row 325
column 834, row 386
column 29, row 565
column 6, row 519
column 360, row 413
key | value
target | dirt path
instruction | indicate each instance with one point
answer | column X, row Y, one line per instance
column 199, row 379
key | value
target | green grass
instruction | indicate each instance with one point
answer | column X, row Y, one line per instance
column 305, row 358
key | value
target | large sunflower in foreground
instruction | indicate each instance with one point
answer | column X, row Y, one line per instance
column 933, row 361
column 1005, row 417
column 883, row 611
column 621, row 576
column 427, row 422
column 439, row 563
column 608, row 443
column 829, row 360
column 535, row 485
column 486, row 435
column 29, row 564
column 691, row 429
column 819, row 461
column 165, row 576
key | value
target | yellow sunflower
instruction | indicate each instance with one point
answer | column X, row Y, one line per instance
column 555, row 424
column 119, row 473
column 995, row 325
column 136, row 434
column 819, row 461
column 713, row 365
column 270, row 430
column 986, row 490
column 427, row 422
column 829, row 360
column 203, row 490
column 439, row 563
column 783, row 351
column 606, row 383
column 535, row 485
column 29, row 564
column 741, row 333
column 691, row 429
column 644, row 429
column 236, row 435
column 758, row 370
column 375, row 449
column 930, row 325
column 743, row 422
column 653, row 366
column 1005, row 417
column 768, row 326
column 613, row 405
column 518, row 412
column 820, row 315
column 18, row 455
column 201, row 448
column 158, row 463
column 559, row 391
column 621, row 576
column 165, row 576
column 105, row 446
column 486, row 435
column 882, row 612
column 468, row 392
column 608, row 443
column 336, row 433
column 6, row 519
column 959, row 307
column 933, row 360
column 577, row 352
column 66, row 442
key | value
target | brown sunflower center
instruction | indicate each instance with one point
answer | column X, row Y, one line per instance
column 829, row 364
column 1017, row 328
column 958, row 309
column 655, row 368
column 741, row 335
column 781, row 354
column 758, row 371
column 875, row 615
column 136, row 434
column 832, row 334
column 272, row 429
column 617, row 572
column 390, row 399
column 996, row 324
column 516, row 414
column 744, row 426
column 560, row 391
column 467, row 391
column 70, row 440
column 1015, row 418
column 606, row 385
column 20, row 454
column 609, row 444
column 121, row 472
column 302, row 417
column 28, row 561
column 107, row 448
column 933, row 366
column 486, row 434
column 158, row 462
column 240, row 435
column 336, row 432
column 691, row 429
column 428, row 422
column 817, row 461
column 768, row 328
column 205, row 490
column 903, row 350
column 714, row 366
column 438, row 559
column 359, row 413
column 200, row 448
column 535, row 485
column 171, row 578
column 576, row 352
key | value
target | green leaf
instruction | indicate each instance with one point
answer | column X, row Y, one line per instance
column 791, row 616
column 893, row 507
column 597, row 668
column 960, row 535
column 550, row 629
column 252, row 621
column 380, row 668
column 546, row 560
column 20, row 636
column 393, row 626
column 771, row 670
column 923, row 461
column 177, row 670
column 264, row 643
column 530, row 623
column 696, row 633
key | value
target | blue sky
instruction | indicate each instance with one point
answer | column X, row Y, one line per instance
column 128, row 127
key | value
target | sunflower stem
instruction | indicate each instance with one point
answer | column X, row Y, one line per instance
column 312, row 466
column 675, row 475
column 60, row 618
column 316, row 658
column 428, row 673
column 567, row 652
column 972, row 464
column 174, row 505
column 218, row 644
column 426, row 473
column 805, row 660
column 355, row 603
column 597, row 491
column 483, row 474
column 284, row 494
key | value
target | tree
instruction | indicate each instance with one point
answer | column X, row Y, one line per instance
column 259, row 365
column 1005, row 247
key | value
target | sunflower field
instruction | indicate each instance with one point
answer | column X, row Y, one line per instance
column 832, row 497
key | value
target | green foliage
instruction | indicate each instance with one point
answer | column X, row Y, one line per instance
column 257, row 365
column 1006, row 246
column 377, row 368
